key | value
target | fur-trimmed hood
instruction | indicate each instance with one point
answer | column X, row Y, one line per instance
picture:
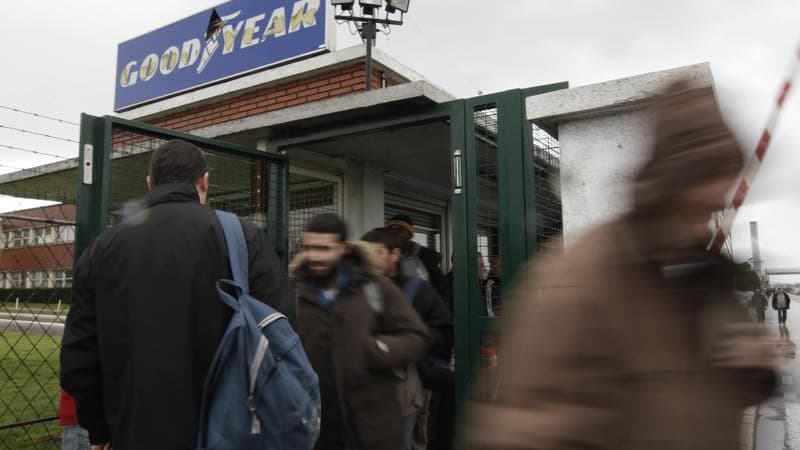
column 359, row 257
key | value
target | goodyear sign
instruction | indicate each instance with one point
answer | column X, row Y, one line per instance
column 231, row 39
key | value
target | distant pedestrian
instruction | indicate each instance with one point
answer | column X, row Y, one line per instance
column 780, row 303
column 759, row 304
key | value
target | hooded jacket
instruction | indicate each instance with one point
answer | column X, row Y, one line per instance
column 146, row 319
column 358, row 351
column 611, row 345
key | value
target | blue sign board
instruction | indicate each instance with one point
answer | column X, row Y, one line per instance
column 231, row 39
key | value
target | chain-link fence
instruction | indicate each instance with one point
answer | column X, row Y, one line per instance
column 36, row 256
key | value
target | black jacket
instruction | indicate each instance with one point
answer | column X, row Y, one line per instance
column 775, row 300
column 146, row 320
column 433, row 262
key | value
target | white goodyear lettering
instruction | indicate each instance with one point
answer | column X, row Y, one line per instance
column 128, row 76
column 250, row 29
column 149, row 67
column 304, row 15
column 277, row 24
column 189, row 53
column 229, row 36
column 169, row 60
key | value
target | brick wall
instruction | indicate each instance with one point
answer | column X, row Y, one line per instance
column 326, row 85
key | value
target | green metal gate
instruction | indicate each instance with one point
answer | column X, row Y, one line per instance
column 40, row 242
column 506, row 207
column 115, row 157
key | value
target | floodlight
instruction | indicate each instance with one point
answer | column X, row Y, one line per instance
column 369, row 6
column 394, row 5
column 346, row 5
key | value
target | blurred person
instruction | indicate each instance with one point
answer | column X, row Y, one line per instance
column 360, row 334
column 780, row 303
column 434, row 366
column 417, row 260
column 632, row 338
column 146, row 319
column 759, row 304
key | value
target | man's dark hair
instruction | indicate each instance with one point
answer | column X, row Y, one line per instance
column 390, row 238
column 328, row 224
column 177, row 161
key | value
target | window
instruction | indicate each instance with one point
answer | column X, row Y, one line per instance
column 37, row 279
column 62, row 278
column 18, row 238
column 66, row 234
column 38, row 236
column 15, row 280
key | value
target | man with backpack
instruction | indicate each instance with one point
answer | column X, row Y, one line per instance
column 360, row 334
column 387, row 245
column 146, row 319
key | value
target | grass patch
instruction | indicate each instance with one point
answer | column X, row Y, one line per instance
column 29, row 390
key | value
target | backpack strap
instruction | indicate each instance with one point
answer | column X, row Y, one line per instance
column 237, row 248
column 411, row 287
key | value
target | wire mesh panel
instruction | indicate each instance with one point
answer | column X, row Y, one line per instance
column 309, row 196
column 546, row 181
column 238, row 184
column 488, row 214
column 36, row 256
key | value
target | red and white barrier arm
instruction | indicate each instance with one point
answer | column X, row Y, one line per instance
column 754, row 164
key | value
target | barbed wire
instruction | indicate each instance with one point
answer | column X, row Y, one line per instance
column 36, row 133
column 42, row 116
column 35, row 152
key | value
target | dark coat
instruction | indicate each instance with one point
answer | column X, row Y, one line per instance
column 146, row 319
column 605, row 350
column 758, row 301
column 775, row 300
column 344, row 344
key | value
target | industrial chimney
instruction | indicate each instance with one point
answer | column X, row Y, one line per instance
column 754, row 244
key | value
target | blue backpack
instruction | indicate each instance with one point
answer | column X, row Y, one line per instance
column 261, row 392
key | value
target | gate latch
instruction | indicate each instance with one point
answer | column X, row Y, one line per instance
column 457, row 178
column 88, row 163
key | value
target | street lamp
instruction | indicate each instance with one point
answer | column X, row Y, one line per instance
column 367, row 17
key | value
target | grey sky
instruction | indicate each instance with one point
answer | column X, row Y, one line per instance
column 59, row 59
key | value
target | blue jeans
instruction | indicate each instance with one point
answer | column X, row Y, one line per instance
column 408, row 431
column 74, row 438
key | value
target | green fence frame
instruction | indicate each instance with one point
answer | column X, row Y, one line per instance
column 93, row 197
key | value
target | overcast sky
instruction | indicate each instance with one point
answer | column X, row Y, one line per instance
column 59, row 60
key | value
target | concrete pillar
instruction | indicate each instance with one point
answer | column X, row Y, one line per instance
column 363, row 198
column 604, row 132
